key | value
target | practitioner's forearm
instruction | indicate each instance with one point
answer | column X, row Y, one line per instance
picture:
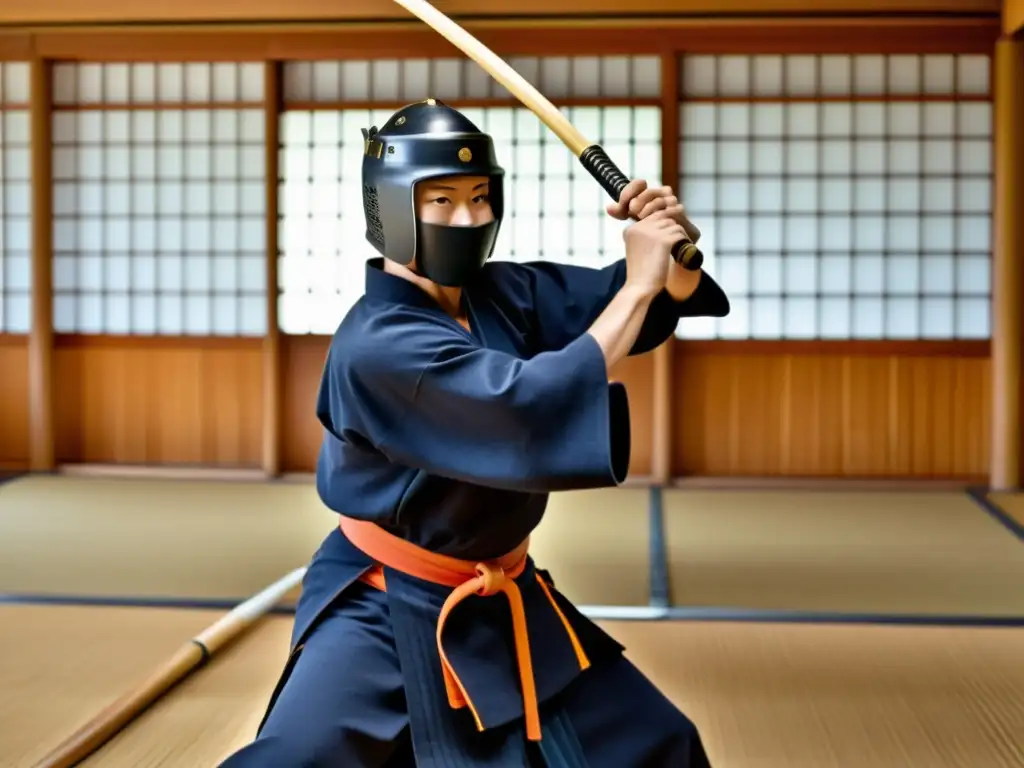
column 682, row 282
column 617, row 328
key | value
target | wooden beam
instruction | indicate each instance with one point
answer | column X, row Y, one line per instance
column 638, row 36
column 108, row 11
column 15, row 45
column 272, row 398
column 1008, row 264
column 661, row 407
column 1013, row 17
column 40, row 342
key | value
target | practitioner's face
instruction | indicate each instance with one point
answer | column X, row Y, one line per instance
column 454, row 201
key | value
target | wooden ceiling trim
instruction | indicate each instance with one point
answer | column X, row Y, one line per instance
column 115, row 11
column 334, row 42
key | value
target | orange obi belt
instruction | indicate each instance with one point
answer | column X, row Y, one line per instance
column 466, row 578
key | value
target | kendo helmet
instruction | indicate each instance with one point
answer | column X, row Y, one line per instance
column 421, row 141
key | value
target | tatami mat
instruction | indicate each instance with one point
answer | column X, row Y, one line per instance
column 154, row 538
column 841, row 696
column 227, row 540
column 764, row 696
column 50, row 685
column 870, row 552
column 597, row 545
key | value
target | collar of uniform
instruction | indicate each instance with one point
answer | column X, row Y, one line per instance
column 397, row 290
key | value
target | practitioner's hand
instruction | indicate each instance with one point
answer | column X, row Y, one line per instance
column 649, row 245
column 638, row 201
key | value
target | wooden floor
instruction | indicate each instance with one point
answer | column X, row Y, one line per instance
column 868, row 691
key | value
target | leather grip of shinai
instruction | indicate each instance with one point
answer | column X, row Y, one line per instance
column 613, row 181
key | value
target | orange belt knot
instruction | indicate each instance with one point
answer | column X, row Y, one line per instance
column 466, row 578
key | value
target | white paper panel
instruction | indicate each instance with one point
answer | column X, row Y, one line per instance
column 15, row 203
column 863, row 219
column 833, row 75
column 159, row 223
column 408, row 80
column 213, row 83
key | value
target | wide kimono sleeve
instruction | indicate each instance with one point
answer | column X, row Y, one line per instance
column 567, row 299
column 433, row 400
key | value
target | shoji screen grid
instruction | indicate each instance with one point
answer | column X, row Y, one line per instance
column 159, row 199
column 15, row 199
column 554, row 209
column 841, row 197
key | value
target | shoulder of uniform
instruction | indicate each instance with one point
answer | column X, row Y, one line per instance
column 389, row 340
column 504, row 274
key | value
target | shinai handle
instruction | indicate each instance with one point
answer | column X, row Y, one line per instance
column 608, row 175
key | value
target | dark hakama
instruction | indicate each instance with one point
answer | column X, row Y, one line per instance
column 453, row 440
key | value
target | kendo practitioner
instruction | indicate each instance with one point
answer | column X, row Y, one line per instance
column 457, row 394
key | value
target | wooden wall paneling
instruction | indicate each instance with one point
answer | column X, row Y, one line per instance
column 302, row 360
column 1008, row 264
column 637, row 374
column 615, row 37
column 272, row 340
column 777, row 410
column 159, row 401
column 14, row 402
column 113, row 11
column 40, row 341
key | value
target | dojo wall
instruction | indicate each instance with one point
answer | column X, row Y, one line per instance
column 764, row 395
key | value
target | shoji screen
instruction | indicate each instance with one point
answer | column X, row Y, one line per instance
column 15, row 199
column 841, row 197
column 159, row 199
